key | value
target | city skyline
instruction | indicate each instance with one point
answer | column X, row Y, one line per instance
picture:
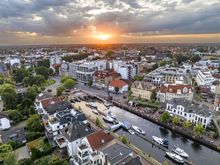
column 110, row 21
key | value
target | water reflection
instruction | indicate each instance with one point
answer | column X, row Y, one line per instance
column 184, row 140
column 196, row 146
column 163, row 131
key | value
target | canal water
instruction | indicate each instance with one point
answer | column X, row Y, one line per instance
column 198, row 154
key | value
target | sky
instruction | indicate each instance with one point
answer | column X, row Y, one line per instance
column 24, row 22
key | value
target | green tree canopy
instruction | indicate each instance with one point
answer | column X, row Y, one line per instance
column 20, row 74
column 90, row 83
column 175, row 120
column 165, row 117
column 153, row 95
column 44, row 63
column 138, row 78
column 69, row 83
column 42, row 70
column 64, row 78
column 34, row 123
column 8, row 95
column 195, row 58
column 198, row 129
column 116, row 89
column 186, row 124
column 14, row 115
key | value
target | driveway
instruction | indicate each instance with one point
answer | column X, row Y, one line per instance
column 22, row 153
column 54, row 86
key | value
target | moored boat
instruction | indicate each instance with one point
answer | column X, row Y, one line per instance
column 161, row 141
column 180, row 151
column 108, row 119
column 95, row 111
column 175, row 157
column 111, row 115
column 131, row 131
column 138, row 129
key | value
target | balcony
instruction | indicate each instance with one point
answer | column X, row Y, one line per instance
column 61, row 142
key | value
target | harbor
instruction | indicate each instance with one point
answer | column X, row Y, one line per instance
column 145, row 142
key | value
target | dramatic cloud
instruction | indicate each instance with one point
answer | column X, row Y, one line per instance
column 65, row 18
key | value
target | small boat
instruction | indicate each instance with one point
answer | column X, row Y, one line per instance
column 175, row 157
column 131, row 131
column 108, row 119
column 111, row 115
column 161, row 141
column 92, row 105
column 138, row 129
column 180, row 152
column 95, row 111
column 107, row 104
column 126, row 125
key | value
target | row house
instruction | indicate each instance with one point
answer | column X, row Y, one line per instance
column 196, row 114
column 169, row 92
column 142, row 89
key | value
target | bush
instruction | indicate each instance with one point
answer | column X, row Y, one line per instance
column 26, row 161
column 33, row 135
column 216, row 135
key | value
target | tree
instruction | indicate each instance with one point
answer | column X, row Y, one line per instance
column 10, row 159
column 155, row 66
column 116, row 89
column 4, row 148
column 14, row 115
column 138, row 78
column 42, row 70
column 20, row 74
column 123, row 139
column 165, row 117
column 163, row 63
column 153, row 95
column 186, row 124
column 60, row 90
column 175, row 120
column 44, row 63
column 34, row 123
column 51, row 72
column 109, row 54
column 98, row 122
column 195, row 58
column 181, row 58
column 69, row 83
column 198, row 129
column 90, row 83
column 165, row 163
column 63, row 79
column 8, row 95
column 31, row 93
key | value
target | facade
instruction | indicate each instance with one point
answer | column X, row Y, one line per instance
column 4, row 122
column 101, row 79
column 142, row 89
column 127, row 71
column 122, row 85
column 197, row 114
column 204, row 78
column 64, row 69
column 167, row 75
column 83, row 71
column 169, row 92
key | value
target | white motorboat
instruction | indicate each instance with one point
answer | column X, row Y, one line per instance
column 138, row 129
column 108, row 119
column 161, row 141
column 180, row 152
column 92, row 105
column 95, row 111
column 111, row 115
column 175, row 157
column 131, row 131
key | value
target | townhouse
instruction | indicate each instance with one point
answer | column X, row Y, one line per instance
column 142, row 89
column 171, row 91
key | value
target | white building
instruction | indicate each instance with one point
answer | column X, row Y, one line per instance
column 55, row 60
column 4, row 122
column 120, row 84
column 83, row 71
column 169, row 92
column 204, row 78
column 125, row 69
column 190, row 112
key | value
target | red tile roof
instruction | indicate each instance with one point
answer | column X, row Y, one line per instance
column 117, row 83
column 175, row 88
column 99, row 139
column 50, row 101
column 106, row 73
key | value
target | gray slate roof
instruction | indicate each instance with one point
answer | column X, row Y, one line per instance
column 76, row 130
column 116, row 153
column 57, row 107
column 189, row 107
column 15, row 134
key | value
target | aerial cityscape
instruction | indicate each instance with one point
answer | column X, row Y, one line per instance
column 109, row 82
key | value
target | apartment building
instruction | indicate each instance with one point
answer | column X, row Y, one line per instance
column 169, row 92
column 204, row 78
column 167, row 75
column 197, row 114
column 102, row 78
column 83, row 71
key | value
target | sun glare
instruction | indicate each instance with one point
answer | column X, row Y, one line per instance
column 103, row 37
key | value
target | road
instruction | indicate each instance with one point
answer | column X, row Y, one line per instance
column 54, row 86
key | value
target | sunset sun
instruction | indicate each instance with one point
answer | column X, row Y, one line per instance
column 103, row 37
